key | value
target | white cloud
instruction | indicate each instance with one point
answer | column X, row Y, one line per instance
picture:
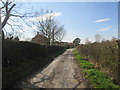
column 102, row 20
column 46, row 16
column 105, row 29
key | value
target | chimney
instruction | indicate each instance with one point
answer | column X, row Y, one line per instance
column 37, row 33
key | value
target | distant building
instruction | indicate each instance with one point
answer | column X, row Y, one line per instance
column 63, row 43
column 40, row 39
column 66, row 44
column 56, row 43
column 71, row 45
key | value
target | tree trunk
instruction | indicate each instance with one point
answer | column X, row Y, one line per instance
column 3, row 36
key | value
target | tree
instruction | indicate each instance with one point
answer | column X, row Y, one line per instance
column 113, row 38
column 45, row 21
column 87, row 41
column 76, row 41
column 60, row 34
column 48, row 26
column 7, row 12
column 7, row 6
column 0, row 27
column 98, row 38
column 103, row 39
column 16, row 39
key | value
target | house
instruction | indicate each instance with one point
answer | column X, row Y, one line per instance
column 40, row 39
column 70, row 44
column 63, row 44
column 67, row 44
column 56, row 43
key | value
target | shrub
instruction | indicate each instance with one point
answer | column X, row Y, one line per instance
column 96, row 78
column 104, row 55
column 16, row 52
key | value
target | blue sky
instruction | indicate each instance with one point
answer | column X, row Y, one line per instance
column 80, row 18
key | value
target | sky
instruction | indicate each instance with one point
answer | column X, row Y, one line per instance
column 80, row 19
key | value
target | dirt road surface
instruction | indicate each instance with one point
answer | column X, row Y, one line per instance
column 62, row 72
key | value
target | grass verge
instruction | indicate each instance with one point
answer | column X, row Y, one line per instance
column 96, row 78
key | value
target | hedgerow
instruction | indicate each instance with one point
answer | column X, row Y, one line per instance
column 96, row 78
column 15, row 52
column 105, row 57
column 21, row 58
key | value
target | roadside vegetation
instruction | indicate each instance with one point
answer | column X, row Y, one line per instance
column 22, row 58
column 104, row 55
column 96, row 78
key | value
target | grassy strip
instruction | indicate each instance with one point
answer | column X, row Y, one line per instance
column 96, row 78
column 12, row 75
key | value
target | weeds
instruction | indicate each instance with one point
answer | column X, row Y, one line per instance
column 104, row 55
column 96, row 78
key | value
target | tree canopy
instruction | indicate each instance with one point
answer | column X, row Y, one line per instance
column 76, row 41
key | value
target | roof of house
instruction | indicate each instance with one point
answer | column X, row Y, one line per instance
column 38, row 36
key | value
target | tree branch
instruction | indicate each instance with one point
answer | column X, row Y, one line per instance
column 7, row 14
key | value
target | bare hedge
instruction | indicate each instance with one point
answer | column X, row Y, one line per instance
column 105, row 57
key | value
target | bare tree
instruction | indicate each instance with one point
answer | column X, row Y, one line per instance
column 8, row 6
column 45, row 21
column 0, row 20
column 98, row 38
column 48, row 26
column 60, row 33
column 87, row 41
column 113, row 38
column 7, row 11
column 103, row 39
